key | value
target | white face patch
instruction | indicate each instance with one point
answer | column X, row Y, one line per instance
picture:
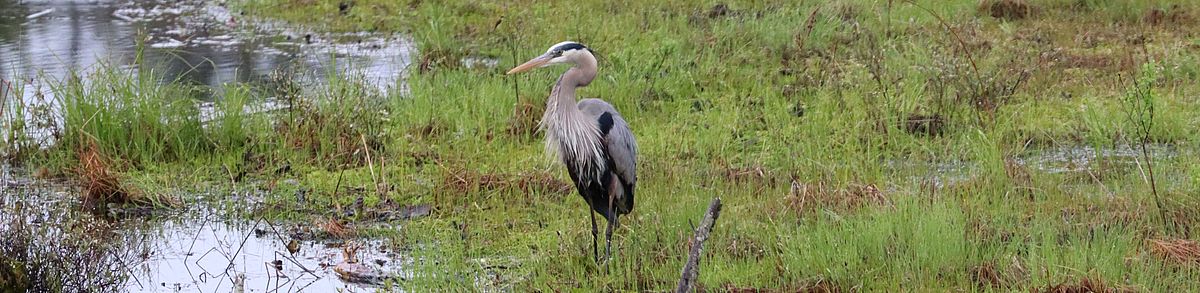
column 564, row 52
column 558, row 60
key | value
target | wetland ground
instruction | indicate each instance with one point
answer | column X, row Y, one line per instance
column 994, row 145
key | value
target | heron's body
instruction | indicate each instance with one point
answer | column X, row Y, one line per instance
column 611, row 178
column 593, row 141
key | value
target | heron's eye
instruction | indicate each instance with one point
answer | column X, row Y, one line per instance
column 556, row 53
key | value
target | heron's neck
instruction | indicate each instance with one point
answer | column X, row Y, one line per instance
column 561, row 107
column 580, row 75
column 570, row 133
column 583, row 72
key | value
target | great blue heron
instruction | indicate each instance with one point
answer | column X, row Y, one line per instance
column 590, row 137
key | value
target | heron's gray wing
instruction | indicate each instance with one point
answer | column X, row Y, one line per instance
column 622, row 148
column 618, row 140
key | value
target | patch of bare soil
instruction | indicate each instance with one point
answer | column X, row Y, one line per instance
column 1006, row 9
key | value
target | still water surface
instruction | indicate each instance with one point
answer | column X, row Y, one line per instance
column 199, row 42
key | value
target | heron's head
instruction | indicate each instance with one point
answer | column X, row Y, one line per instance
column 566, row 52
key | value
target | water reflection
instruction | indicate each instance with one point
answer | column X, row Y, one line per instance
column 215, row 254
column 206, row 248
column 187, row 41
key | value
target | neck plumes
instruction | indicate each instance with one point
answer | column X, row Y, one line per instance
column 570, row 133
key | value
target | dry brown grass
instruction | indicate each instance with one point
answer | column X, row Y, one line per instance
column 525, row 119
column 1020, row 178
column 337, row 228
column 754, row 174
column 817, row 286
column 1175, row 15
column 742, row 247
column 462, row 180
column 1178, row 251
column 807, row 198
column 990, row 275
column 929, row 125
column 1085, row 285
column 1006, row 9
column 100, row 183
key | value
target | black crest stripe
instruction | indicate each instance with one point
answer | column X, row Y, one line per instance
column 570, row 46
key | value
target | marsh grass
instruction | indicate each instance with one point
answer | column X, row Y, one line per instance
column 796, row 114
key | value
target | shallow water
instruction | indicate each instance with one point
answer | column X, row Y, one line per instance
column 1083, row 158
column 210, row 255
column 203, row 248
column 1053, row 160
column 190, row 41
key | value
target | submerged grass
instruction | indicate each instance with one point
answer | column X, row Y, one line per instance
column 824, row 127
column 84, row 254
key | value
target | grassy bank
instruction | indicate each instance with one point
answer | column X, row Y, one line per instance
column 857, row 145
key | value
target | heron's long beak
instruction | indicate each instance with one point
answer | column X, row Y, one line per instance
column 531, row 64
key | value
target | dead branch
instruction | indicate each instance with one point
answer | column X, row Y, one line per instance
column 691, row 269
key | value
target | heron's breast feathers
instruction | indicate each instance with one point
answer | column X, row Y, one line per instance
column 576, row 141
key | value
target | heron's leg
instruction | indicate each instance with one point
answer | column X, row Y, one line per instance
column 612, row 221
column 595, row 232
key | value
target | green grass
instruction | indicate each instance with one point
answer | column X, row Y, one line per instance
column 712, row 99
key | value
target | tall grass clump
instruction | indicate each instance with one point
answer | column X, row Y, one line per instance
column 235, row 119
column 136, row 120
column 130, row 116
column 332, row 126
